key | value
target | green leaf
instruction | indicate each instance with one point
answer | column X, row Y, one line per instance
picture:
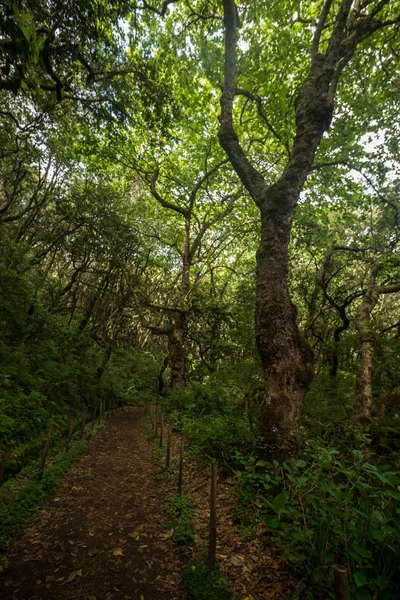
column 361, row 550
column 395, row 495
column 360, row 578
column 318, row 574
column 362, row 594
column 271, row 521
column 279, row 502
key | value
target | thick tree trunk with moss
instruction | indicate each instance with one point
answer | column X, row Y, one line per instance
column 286, row 358
column 285, row 355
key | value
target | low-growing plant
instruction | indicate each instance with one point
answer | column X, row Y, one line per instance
column 202, row 583
column 180, row 511
column 17, row 507
column 326, row 509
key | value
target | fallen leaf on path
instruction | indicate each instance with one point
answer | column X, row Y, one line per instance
column 118, row 552
column 236, row 561
column 169, row 534
column 73, row 576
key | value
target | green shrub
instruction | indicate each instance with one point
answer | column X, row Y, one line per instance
column 180, row 511
column 16, row 508
column 202, row 583
column 329, row 508
column 218, row 436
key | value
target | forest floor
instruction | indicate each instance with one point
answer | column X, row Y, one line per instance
column 105, row 534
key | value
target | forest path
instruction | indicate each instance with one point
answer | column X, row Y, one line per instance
column 102, row 536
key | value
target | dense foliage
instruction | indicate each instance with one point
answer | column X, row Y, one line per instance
column 233, row 261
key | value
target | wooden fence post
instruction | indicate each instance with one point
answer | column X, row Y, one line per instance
column 83, row 424
column 94, row 417
column 71, row 431
column 161, row 430
column 169, row 439
column 46, row 449
column 100, row 413
column 155, row 420
column 342, row 588
column 212, row 541
column 4, row 461
column 181, row 455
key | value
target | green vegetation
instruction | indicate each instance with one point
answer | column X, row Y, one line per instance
column 202, row 583
column 199, row 207
column 180, row 511
column 331, row 506
column 31, row 493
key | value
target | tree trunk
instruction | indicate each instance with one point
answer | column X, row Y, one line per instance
column 363, row 399
column 105, row 361
column 336, row 341
column 161, row 383
column 177, row 338
column 285, row 355
column 176, row 352
column 318, row 287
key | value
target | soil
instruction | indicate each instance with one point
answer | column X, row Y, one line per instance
column 104, row 534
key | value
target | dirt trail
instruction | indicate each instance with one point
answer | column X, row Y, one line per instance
column 103, row 535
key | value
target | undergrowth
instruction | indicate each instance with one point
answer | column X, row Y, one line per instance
column 19, row 497
column 202, row 583
column 180, row 511
column 329, row 507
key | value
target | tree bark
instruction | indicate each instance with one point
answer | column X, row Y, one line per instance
column 177, row 338
column 176, row 352
column 285, row 355
column 363, row 399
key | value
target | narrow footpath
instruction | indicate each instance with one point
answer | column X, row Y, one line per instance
column 104, row 534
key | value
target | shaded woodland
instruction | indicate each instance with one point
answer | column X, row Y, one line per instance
column 199, row 211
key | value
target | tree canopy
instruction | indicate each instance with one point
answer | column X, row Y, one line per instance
column 200, row 200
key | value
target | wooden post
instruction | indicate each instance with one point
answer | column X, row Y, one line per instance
column 94, row 417
column 100, row 413
column 155, row 420
column 169, row 439
column 4, row 461
column 342, row 589
column 83, row 424
column 71, row 431
column 182, row 452
column 161, row 430
column 212, row 541
column 46, row 449
column 108, row 408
